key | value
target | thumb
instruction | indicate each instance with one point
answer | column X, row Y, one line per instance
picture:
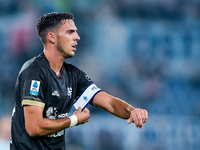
column 129, row 120
column 79, row 108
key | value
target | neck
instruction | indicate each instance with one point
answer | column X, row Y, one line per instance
column 55, row 60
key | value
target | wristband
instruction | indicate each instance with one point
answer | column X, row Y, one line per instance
column 74, row 120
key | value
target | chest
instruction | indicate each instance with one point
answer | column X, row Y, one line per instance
column 59, row 97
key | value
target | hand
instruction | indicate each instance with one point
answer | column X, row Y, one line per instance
column 82, row 115
column 138, row 116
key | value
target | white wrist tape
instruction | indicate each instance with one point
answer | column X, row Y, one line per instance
column 74, row 120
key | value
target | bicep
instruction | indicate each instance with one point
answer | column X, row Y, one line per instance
column 33, row 117
column 33, row 113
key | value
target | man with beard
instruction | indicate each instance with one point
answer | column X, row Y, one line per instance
column 47, row 86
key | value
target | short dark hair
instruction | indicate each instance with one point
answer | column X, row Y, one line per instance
column 49, row 22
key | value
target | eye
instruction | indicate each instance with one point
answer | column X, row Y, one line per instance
column 70, row 31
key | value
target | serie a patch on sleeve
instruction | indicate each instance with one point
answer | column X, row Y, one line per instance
column 87, row 96
column 35, row 86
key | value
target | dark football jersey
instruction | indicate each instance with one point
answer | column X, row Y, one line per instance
column 38, row 85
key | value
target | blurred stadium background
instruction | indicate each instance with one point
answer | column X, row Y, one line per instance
column 146, row 52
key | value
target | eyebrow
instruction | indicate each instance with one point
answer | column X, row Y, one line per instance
column 72, row 30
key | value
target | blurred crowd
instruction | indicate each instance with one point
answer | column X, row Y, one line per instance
column 145, row 52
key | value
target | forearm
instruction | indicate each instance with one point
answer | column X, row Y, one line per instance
column 113, row 105
column 47, row 126
column 51, row 126
column 36, row 125
column 121, row 108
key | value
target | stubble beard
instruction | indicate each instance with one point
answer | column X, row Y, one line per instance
column 62, row 52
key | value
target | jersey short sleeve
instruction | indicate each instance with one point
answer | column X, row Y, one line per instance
column 32, row 87
column 83, row 82
column 86, row 90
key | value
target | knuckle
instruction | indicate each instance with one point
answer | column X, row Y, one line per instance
column 146, row 112
column 88, row 116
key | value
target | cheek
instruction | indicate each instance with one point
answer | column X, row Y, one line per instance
column 64, row 43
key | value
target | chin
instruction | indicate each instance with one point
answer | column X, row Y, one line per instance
column 69, row 56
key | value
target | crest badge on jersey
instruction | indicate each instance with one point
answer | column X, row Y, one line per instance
column 35, row 86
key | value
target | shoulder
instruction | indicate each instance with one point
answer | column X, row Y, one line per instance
column 34, row 65
column 70, row 67
column 75, row 72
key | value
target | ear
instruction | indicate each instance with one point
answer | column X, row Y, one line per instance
column 51, row 37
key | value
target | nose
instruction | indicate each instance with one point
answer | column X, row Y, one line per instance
column 77, row 37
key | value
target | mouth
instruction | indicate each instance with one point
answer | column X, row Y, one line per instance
column 74, row 46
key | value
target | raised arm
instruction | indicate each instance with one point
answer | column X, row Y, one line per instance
column 121, row 109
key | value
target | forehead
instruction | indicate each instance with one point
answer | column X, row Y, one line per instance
column 70, row 21
column 68, row 24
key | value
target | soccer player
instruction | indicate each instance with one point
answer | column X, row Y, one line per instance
column 47, row 86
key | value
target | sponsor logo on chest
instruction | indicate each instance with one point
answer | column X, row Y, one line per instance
column 69, row 92
column 55, row 93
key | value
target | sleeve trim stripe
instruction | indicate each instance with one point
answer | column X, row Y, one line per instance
column 33, row 103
